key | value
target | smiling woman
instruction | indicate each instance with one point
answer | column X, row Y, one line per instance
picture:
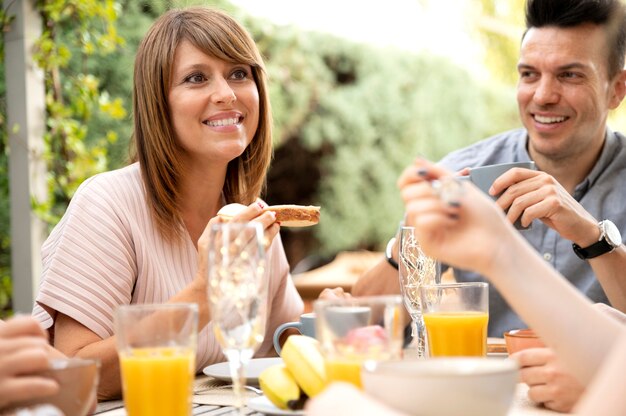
column 229, row 125
column 202, row 135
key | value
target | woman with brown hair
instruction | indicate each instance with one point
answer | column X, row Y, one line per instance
column 202, row 134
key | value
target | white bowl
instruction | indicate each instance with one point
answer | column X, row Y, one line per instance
column 443, row 386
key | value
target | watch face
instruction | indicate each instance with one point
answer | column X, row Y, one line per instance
column 612, row 233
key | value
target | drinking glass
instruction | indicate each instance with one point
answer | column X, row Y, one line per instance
column 237, row 293
column 355, row 331
column 157, row 345
column 415, row 269
column 456, row 317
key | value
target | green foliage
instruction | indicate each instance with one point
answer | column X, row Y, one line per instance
column 348, row 117
column 5, row 21
column 5, row 240
column 363, row 114
column 500, row 27
column 75, row 32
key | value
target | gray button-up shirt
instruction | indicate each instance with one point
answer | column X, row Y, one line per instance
column 602, row 193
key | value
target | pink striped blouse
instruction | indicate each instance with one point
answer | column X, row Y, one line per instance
column 106, row 251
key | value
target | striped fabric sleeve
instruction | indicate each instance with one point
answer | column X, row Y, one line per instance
column 89, row 266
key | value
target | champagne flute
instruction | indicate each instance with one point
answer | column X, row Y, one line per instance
column 237, row 293
column 415, row 269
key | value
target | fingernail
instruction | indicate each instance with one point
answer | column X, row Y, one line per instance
column 260, row 204
column 422, row 172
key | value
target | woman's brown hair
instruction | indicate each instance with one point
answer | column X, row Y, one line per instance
column 218, row 35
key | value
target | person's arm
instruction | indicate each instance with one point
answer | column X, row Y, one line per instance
column 382, row 279
column 549, row 381
column 609, row 270
column 473, row 234
column 603, row 396
column 612, row 312
column 75, row 339
column 534, row 195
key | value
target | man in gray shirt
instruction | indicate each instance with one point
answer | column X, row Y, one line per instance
column 601, row 193
column 571, row 74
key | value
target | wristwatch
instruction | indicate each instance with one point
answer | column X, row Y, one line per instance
column 610, row 239
column 388, row 255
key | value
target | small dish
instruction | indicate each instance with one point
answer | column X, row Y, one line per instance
column 263, row 405
column 521, row 339
column 221, row 371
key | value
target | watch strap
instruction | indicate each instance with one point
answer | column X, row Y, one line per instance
column 596, row 249
column 609, row 240
column 388, row 255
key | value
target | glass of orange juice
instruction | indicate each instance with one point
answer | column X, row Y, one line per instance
column 456, row 317
column 352, row 331
column 157, row 350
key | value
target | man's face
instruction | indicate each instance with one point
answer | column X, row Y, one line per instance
column 564, row 93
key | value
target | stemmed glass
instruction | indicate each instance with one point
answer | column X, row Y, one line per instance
column 237, row 293
column 415, row 269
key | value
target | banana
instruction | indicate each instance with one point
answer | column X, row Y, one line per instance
column 281, row 388
column 304, row 360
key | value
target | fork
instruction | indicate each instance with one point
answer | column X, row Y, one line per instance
column 228, row 386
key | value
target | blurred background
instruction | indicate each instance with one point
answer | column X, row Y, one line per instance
column 358, row 90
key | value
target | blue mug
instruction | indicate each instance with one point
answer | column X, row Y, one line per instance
column 306, row 326
column 484, row 176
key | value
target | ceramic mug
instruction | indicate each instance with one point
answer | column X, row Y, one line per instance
column 306, row 326
column 484, row 176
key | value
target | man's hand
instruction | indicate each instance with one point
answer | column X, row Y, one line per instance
column 335, row 293
column 530, row 194
column 549, row 383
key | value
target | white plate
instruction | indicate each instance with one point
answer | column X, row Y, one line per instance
column 256, row 365
column 263, row 405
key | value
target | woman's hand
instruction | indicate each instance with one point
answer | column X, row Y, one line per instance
column 252, row 213
column 24, row 350
column 549, row 382
column 465, row 230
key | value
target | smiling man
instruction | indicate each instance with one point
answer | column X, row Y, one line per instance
column 571, row 74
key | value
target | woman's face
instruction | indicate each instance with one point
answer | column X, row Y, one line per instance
column 214, row 105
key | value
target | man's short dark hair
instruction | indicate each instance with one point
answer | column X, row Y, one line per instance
column 570, row 13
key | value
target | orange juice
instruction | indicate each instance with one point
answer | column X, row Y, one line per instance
column 158, row 381
column 344, row 369
column 457, row 333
